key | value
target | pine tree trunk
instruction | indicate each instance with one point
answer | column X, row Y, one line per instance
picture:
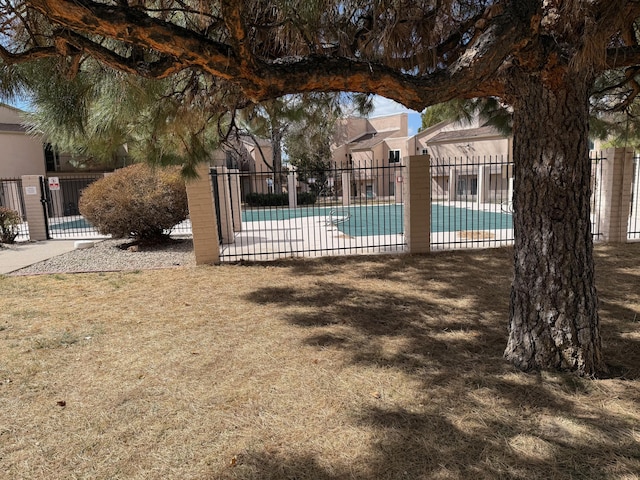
column 554, row 320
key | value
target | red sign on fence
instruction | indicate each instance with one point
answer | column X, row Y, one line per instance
column 54, row 183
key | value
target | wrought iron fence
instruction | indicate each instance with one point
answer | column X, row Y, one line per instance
column 62, row 197
column 11, row 197
column 268, row 215
column 471, row 202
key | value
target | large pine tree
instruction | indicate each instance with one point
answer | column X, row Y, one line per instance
column 541, row 57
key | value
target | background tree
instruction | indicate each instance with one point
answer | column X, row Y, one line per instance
column 311, row 137
column 540, row 57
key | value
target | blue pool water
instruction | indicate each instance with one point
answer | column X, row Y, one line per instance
column 77, row 224
column 388, row 219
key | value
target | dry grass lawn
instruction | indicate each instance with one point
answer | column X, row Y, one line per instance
column 386, row 367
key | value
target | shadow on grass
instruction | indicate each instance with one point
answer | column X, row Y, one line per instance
column 474, row 416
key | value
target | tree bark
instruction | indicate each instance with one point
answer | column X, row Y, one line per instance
column 554, row 320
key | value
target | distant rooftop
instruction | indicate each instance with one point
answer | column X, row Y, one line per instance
column 468, row 134
column 369, row 140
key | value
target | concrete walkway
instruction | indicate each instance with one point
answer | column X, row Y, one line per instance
column 22, row 254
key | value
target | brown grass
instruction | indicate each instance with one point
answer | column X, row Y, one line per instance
column 386, row 367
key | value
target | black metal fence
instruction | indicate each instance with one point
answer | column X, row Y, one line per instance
column 12, row 197
column 471, row 202
column 267, row 215
column 62, row 197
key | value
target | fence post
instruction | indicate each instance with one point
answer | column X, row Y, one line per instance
column 483, row 184
column 615, row 194
column 226, row 215
column 236, row 210
column 453, row 182
column 34, row 210
column 346, row 189
column 202, row 212
column 417, row 204
column 292, row 190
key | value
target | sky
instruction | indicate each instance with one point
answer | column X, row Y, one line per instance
column 384, row 106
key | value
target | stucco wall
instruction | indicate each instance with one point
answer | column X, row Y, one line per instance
column 20, row 154
column 398, row 122
column 472, row 148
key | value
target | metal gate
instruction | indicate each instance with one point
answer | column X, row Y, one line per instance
column 267, row 215
column 61, row 197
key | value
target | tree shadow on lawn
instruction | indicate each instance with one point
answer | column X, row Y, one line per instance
column 473, row 415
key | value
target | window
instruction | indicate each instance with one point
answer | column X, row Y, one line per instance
column 424, row 151
column 51, row 158
column 394, row 156
column 369, row 191
column 467, row 186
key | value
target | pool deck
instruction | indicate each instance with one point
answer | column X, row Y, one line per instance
column 316, row 236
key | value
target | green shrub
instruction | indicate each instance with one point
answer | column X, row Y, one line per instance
column 307, row 198
column 136, row 201
column 267, row 199
column 277, row 199
column 9, row 222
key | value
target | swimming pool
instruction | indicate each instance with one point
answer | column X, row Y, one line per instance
column 389, row 219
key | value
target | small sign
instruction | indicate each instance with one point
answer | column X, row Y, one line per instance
column 30, row 190
column 54, row 183
column 399, row 179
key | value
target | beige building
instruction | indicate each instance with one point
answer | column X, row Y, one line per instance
column 372, row 149
column 375, row 148
column 20, row 152
column 253, row 159
column 461, row 154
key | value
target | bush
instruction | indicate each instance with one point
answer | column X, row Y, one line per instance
column 267, row 199
column 277, row 199
column 9, row 222
column 137, row 201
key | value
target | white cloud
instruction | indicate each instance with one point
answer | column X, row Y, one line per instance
column 384, row 106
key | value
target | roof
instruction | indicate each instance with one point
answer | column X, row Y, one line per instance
column 12, row 127
column 370, row 140
column 468, row 134
column 253, row 140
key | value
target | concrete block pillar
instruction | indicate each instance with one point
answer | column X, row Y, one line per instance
column 292, row 189
column 226, row 214
column 34, row 209
column 202, row 212
column 615, row 194
column 346, row 189
column 417, row 204
column 484, row 178
column 453, row 183
column 236, row 210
